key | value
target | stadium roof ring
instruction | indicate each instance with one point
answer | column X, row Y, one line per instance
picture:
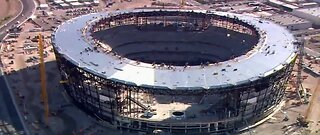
column 175, row 48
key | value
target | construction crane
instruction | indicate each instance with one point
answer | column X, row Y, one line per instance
column 182, row 3
column 299, row 87
column 44, row 95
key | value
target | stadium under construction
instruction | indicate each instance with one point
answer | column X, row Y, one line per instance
column 174, row 71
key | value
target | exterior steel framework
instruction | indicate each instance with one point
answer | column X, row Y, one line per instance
column 118, row 103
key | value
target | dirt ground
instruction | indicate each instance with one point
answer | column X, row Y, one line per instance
column 278, row 126
column 8, row 9
column 125, row 4
column 129, row 5
column 313, row 112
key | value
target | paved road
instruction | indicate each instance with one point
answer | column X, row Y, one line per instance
column 28, row 6
column 8, row 111
column 8, row 106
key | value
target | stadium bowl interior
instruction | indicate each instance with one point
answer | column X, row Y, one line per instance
column 171, row 45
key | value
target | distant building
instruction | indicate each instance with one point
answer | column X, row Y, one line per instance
column 311, row 14
column 57, row 2
column 64, row 5
column 43, row 6
column 309, row 5
column 96, row 2
column 318, row 1
column 283, row 5
column 70, row 1
column 76, row 4
column 87, row 3
column 291, row 22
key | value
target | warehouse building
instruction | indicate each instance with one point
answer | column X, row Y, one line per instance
column 311, row 14
column 291, row 22
column 283, row 5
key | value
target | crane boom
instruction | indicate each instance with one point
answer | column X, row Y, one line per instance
column 182, row 3
column 44, row 95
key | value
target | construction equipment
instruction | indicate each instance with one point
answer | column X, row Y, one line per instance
column 302, row 121
column 182, row 3
column 63, row 81
column 44, row 95
column 299, row 88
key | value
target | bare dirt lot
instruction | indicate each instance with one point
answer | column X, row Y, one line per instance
column 8, row 9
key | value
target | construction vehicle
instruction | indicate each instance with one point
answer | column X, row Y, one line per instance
column 302, row 121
